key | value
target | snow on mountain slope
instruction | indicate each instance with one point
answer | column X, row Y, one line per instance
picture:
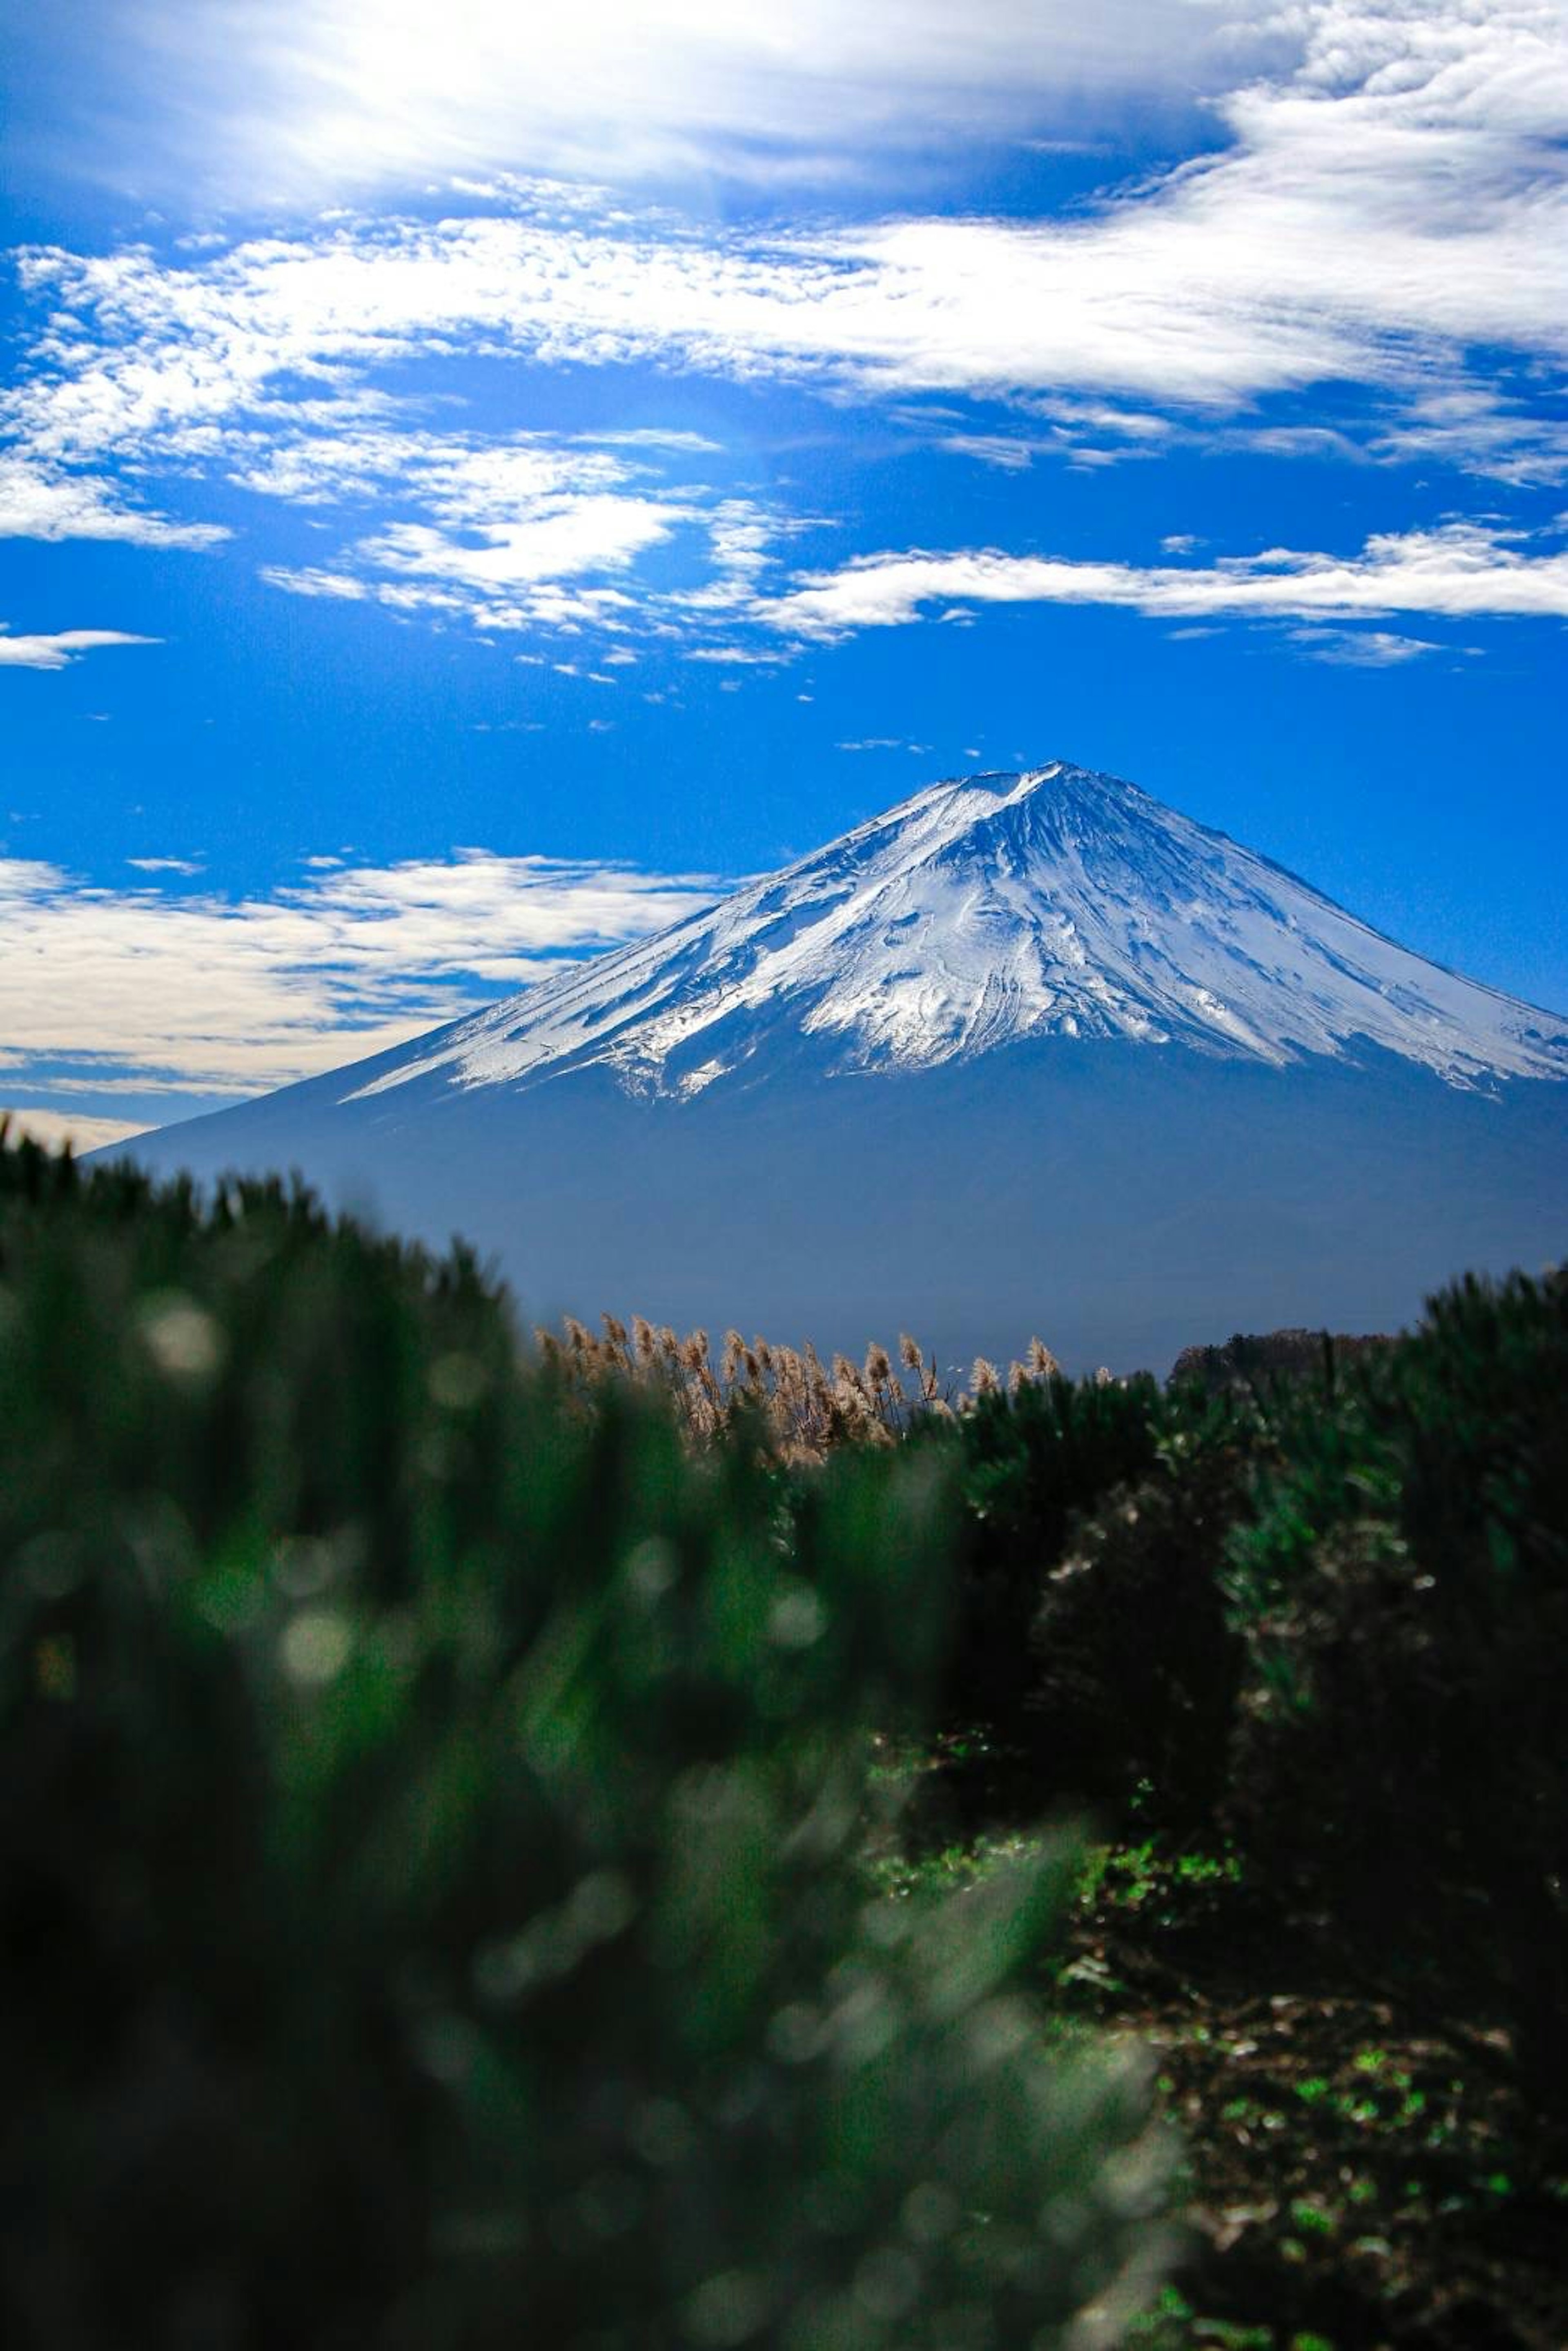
column 1054, row 903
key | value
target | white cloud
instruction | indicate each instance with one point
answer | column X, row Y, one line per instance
column 581, row 535
column 1458, row 568
column 310, row 580
column 344, row 94
column 57, row 651
column 38, row 503
column 651, row 436
column 1191, row 293
column 1491, row 433
column 1362, row 648
column 163, row 864
column 735, row 656
column 998, row 449
column 1384, row 208
column 884, row 742
column 353, row 960
column 461, row 481
column 516, row 525
column 56, row 1128
column 1393, row 204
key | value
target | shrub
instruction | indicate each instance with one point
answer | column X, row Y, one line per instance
column 1033, row 1462
column 431, row 1909
column 1404, row 1760
column 1136, row 1668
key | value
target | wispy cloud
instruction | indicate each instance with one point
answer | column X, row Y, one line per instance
column 653, row 436
column 344, row 95
column 1009, row 453
column 513, row 529
column 58, row 651
column 762, row 656
column 532, row 530
column 95, row 982
column 309, row 580
column 883, row 743
column 584, row 534
column 56, row 1128
column 1459, row 568
column 40, row 502
column 1362, row 648
column 1379, row 229
column 516, row 525
column 1389, row 214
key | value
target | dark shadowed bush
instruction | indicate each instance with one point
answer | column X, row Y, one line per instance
column 1034, row 1462
column 432, row 1910
column 1136, row 1668
column 1404, row 1762
column 1259, row 1360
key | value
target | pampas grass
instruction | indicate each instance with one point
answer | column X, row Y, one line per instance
column 801, row 1407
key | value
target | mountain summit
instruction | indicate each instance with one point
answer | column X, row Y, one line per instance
column 1054, row 903
column 1029, row 1051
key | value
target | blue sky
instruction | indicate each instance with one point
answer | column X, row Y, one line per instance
column 468, row 486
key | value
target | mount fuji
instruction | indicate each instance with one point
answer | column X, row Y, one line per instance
column 1029, row 1051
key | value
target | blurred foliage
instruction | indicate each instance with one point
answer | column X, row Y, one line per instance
column 1402, row 1584
column 448, row 1884
column 433, row 1812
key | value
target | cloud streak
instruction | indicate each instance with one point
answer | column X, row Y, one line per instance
column 56, row 1128
column 1315, row 258
column 60, row 650
column 355, row 94
column 96, row 982
column 1460, row 569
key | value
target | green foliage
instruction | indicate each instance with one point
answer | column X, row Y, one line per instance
column 1328, row 1612
column 1404, row 1593
column 1033, row 1462
column 432, row 1909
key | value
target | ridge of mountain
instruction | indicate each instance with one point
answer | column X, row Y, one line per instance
column 1055, row 901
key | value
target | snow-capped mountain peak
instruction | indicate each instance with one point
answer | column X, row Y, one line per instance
column 1051, row 903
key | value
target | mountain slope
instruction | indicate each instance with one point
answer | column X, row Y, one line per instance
column 1052, row 902
column 1029, row 1051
